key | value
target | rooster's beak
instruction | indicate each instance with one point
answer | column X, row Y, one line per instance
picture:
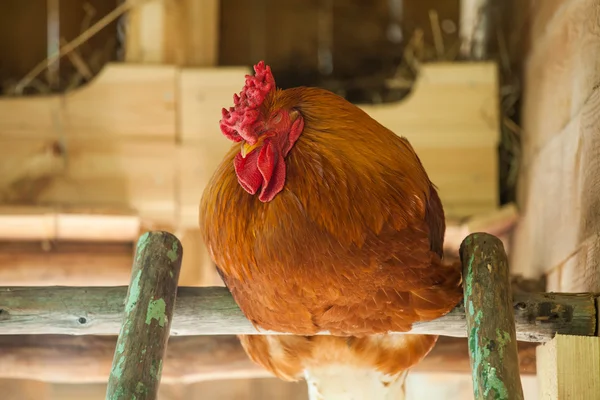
column 247, row 148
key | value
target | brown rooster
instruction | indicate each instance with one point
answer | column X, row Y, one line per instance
column 321, row 219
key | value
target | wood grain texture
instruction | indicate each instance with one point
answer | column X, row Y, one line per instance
column 569, row 368
column 561, row 68
column 565, row 170
column 64, row 263
column 212, row 310
column 64, row 223
column 492, row 336
column 97, row 146
column 560, row 147
column 87, row 359
column 138, row 358
column 179, row 32
column 122, row 101
column 104, row 172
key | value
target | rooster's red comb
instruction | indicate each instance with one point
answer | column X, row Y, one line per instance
column 237, row 122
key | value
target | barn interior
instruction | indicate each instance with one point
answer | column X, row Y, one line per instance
column 109, row 128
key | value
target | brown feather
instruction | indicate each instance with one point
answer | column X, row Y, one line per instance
column 352, row 245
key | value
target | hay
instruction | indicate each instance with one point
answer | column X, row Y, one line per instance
column 70, row 47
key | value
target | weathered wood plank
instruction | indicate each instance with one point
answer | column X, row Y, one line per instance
column 561, row 69
column 566, row 171
column 137, row 364
column 492, row 336
column 212, row 310
column 124, row 100
column 102, row 171
column 569, row 368
column 182, row 32
column 64, row 263
column 68, row 223
column 87, row 359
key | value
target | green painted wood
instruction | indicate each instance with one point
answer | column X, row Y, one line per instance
column 150, row 301
column 490, row 323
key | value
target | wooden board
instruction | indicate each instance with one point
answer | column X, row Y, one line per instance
column 54, row 223
column 188, row 359
column 182, row 32
column 558, row 187
column 569, row 368
column 122, row 101
column 147, row 138
column 105, row 172
column 38, row 264
column 561, row 68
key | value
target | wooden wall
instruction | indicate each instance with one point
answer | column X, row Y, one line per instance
column 559, row 185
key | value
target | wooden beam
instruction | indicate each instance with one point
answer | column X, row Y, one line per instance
column 212, row 310
column 68, row 223
column 65, row 263
column 569, row 368
column 138, row 358
column 491, row 326
column 189, row 359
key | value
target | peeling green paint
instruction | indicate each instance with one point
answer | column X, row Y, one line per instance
column 153, row 369
column 474, row 346
column 117, row 370
column 142, row 243
column 121, row 347
column 117, row 394
column 156, row 310
column 134, row 293
column 171, row 274
column 485, row 377
column 172, row 254
column 140, row 388
column 493, row 382
column 502, row 337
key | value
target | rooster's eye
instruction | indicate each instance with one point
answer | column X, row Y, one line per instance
column 277, row 117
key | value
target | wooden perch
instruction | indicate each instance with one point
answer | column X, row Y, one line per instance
column 138, row 358
column 212, row 310
column 490, row 322
column 189, row 359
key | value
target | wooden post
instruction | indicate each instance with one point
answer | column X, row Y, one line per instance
column 142, row 342
column 490, row 322
column 569, row 368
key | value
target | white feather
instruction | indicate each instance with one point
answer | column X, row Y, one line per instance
column 342, row 382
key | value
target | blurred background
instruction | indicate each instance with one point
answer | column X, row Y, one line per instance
column 109, row 127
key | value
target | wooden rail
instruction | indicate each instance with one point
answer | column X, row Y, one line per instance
column 212, row 311
column 142, row 343
column 87, row 359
